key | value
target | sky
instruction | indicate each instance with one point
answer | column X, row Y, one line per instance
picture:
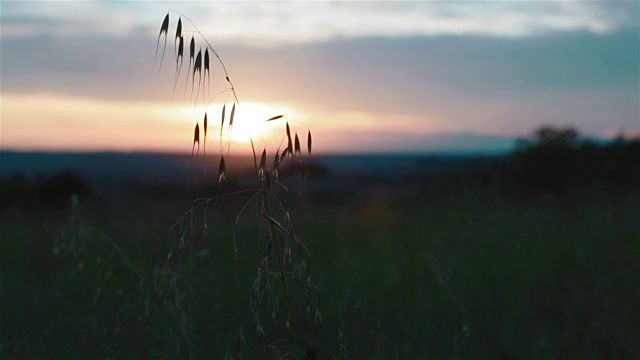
column 361, row 76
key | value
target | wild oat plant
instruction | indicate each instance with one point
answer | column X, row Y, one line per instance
column 282, row 289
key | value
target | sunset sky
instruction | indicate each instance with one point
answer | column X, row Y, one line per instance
column 363, row 76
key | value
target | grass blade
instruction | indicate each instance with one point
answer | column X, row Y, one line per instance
column 275, row 222
column 309, row 142
column 285, row 153
column 298, row 151
column 255, row 161
column 274, row 118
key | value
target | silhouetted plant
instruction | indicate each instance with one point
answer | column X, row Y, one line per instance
column 283, row 273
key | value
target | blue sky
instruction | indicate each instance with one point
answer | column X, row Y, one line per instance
column 364, row 76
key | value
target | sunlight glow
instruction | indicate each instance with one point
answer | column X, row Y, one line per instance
column 49, row 122
column 60, row 123
column 249, row 122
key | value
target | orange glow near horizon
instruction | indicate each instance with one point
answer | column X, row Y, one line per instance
column 44, row 122
column 60, row 123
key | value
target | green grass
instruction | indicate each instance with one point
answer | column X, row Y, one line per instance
column 518, row 282
column 468, row 276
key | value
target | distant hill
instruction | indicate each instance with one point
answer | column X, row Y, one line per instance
column 141, row 166
column 94, row 165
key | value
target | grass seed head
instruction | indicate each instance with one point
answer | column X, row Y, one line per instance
column 276, row 164
column 165, row 25
column 221, row 170
column 298, row 151
column 206, row 60
column 198, row 64
column 288, row 132
column 192, row 49
column 180, row 47
column 205, row 125
column 274, row 118
column 289, row 149
column 263, row 161
column 222, row 120
column 233, row 112
column 164, row 29
column 179, row 28
column 196, row 135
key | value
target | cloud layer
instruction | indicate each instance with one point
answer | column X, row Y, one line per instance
column 277, row 23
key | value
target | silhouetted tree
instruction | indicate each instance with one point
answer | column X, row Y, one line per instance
column 621, row 162
column 557, row 161
column 548, row 162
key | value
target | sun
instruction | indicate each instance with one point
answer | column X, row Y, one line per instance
column 249, row 122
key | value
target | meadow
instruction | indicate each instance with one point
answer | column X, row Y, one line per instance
column 402, row 267
column 211, row 255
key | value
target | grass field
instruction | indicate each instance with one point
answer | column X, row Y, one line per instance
column 403, row 272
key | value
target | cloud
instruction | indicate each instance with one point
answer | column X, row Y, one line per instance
column 68, row 19
column 266, row 24
column 478, row 83
column 398, row 69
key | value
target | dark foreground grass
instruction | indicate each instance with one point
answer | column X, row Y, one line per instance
column 479, row 278
column 465, row 276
